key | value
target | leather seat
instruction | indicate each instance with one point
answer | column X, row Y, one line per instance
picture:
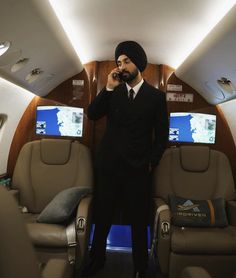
column 43, row 169
column 195, row 272
column 17, row 256
column 194, row 173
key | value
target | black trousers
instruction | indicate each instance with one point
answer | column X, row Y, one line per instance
column 127, row 189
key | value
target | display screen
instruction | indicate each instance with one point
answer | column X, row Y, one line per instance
column 59, row 121
column 192, row 127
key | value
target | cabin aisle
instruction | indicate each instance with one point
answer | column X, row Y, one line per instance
column 119, row 265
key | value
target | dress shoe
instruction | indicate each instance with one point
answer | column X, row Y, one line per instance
column 139, row 274
column 92, row 267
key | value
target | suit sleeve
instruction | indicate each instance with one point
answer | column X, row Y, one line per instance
column 98, row 108
column 161, row 130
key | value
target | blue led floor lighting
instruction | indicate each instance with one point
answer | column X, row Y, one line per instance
column 119, row 238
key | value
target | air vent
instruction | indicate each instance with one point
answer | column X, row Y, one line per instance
column 33, row 75
column 227, row 85
column 224, row 81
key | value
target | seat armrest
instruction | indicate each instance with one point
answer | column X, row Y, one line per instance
column 231, row 212
column 83, row 212
column 83, row 225
column 162, row 233
column 57, row 268
column 159, row 202
column 164, row 214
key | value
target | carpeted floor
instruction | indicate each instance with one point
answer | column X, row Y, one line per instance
column 119, row 265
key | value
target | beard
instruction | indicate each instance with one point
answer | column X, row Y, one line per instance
column 129, row 76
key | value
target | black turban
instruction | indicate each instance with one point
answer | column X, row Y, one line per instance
column 134, row 51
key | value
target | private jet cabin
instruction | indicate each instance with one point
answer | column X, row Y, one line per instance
column 41, row 74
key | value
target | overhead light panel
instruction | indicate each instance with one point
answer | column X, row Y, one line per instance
column 19, row 65
column 4, row 46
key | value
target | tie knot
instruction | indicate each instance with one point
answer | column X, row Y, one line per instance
column 131, row 94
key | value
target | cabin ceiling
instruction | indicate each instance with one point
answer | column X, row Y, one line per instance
column 35, row 33
column 211, row 68
column 169, row 30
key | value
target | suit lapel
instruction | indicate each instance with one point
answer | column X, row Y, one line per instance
column 141, row 93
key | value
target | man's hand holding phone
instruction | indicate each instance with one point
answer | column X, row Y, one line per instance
column 114, row 79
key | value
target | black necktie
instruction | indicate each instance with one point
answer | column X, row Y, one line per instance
column 131, row 95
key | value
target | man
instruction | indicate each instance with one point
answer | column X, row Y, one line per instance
column 136, row 112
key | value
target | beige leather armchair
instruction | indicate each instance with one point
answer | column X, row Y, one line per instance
column 17, row 257
column 195, row 272
column 195, row 173
column 43, row 169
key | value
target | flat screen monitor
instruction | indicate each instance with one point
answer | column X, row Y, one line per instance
column 192, row 127
column 59, row 121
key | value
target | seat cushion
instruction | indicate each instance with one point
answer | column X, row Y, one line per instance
column 201, row 160
column 50, row 154
column 198, row 213
column 195, row 272
column 215, row 241
column 45, row 235
column 62, row 206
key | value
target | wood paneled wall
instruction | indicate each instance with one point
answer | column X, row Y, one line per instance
column 95, row 76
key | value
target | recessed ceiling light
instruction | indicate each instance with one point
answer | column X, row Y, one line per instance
column 4, row 46
column 19, row 65
column 33, row 75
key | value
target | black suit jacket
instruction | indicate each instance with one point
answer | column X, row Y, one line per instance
column 136, row 132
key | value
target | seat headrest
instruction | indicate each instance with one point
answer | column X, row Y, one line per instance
column 55, row 151
column 195, row 158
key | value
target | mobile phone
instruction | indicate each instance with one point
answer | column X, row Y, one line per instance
column 117, row 75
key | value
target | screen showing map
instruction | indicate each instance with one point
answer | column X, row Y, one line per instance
column 192, row 127
column 59, row 121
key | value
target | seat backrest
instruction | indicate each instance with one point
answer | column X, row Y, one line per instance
column 194, row 172
column 17, row 258
column 48, row 166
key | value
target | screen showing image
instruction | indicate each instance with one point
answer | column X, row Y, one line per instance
column 59, row 121
column 192, row 127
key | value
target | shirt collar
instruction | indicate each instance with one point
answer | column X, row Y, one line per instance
column 136, row 87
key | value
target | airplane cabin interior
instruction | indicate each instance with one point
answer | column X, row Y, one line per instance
column 55, row 56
